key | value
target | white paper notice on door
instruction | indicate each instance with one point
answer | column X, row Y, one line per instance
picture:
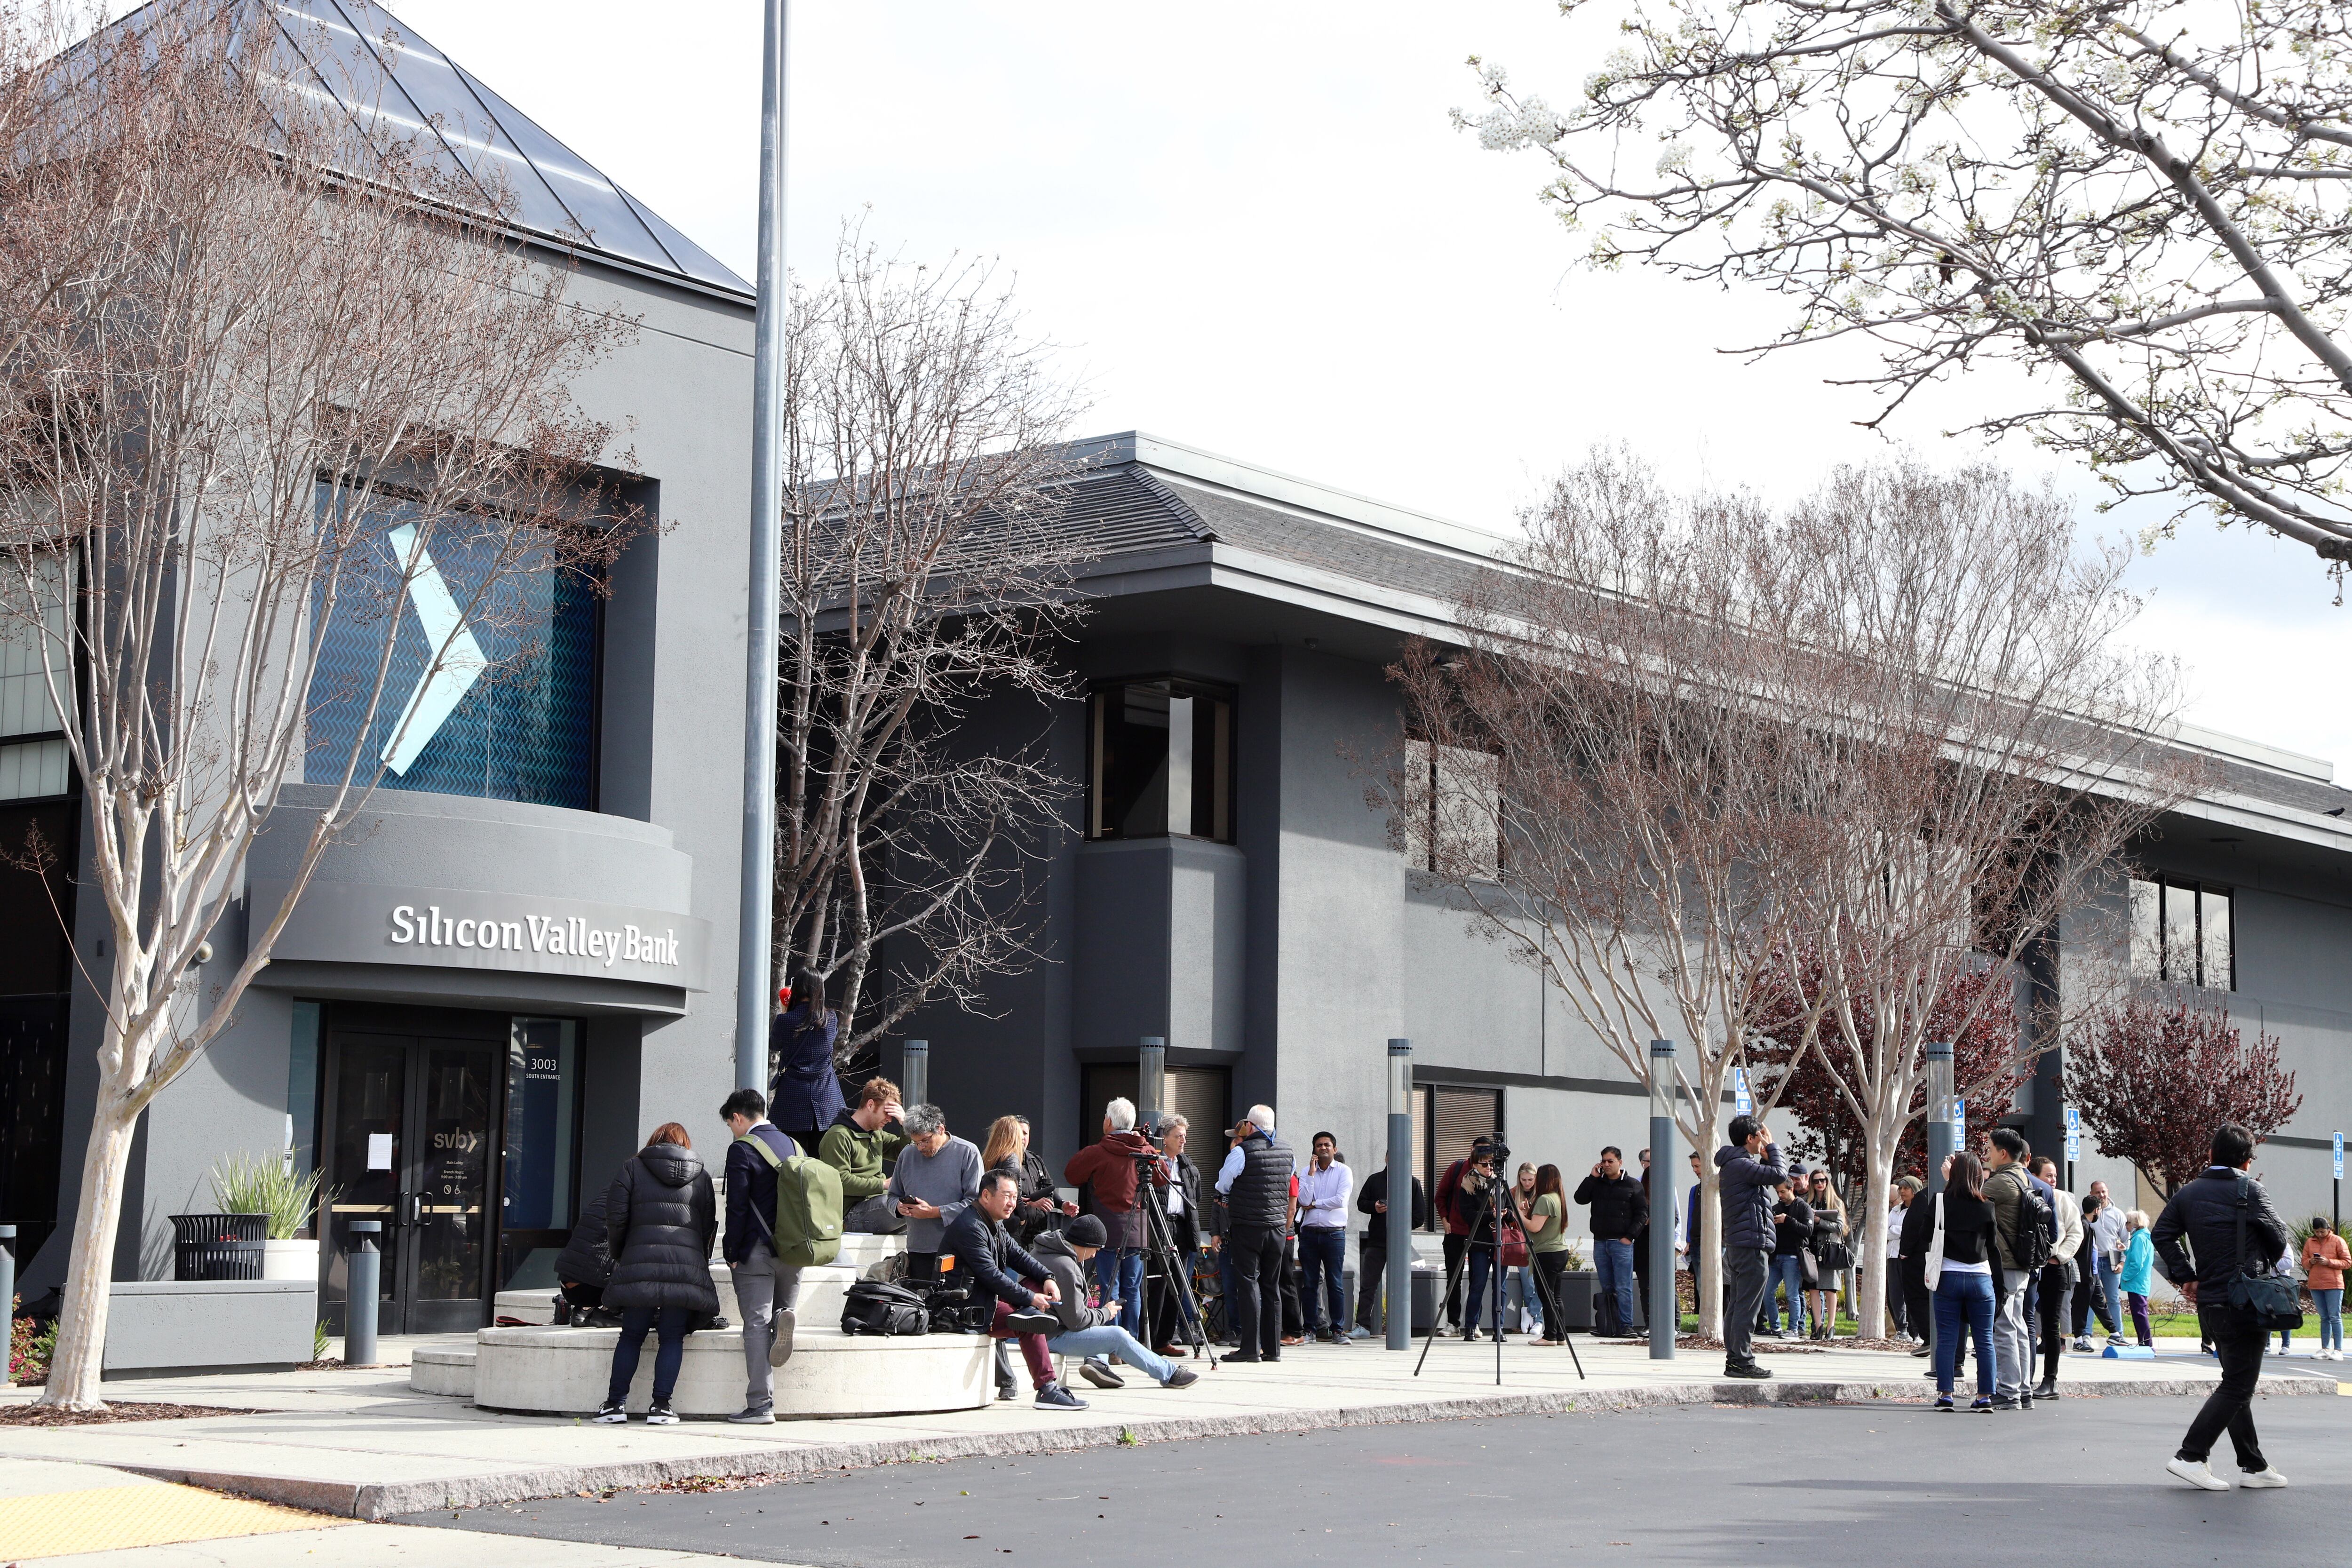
column 379, row 1150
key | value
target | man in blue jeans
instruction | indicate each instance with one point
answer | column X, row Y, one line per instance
column 1619, row 1207
column 1324, row 1189
column 1091, row 1333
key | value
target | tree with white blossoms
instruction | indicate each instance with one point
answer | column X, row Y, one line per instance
column 2145, row 205
column 268, row 370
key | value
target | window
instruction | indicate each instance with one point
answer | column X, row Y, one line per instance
column 1445, row 1118
column 1159, row 760
column 1452, row 809
column 491, row 692
column 2182, row 934
column 542, row 1112
column 33, row 760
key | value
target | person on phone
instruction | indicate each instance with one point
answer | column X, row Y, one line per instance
column 1324, row 1189
column 2325, row 1259
column 937, row 1177
column 2212, row 1230
column 1618, row 1212
column 1748, row 1172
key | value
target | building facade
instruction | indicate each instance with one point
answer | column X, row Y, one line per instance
column 1229, row 888
column 520, row 957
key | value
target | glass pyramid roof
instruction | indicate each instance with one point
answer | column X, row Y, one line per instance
column 357, row 55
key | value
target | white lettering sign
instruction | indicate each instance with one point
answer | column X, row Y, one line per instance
column 566, row 935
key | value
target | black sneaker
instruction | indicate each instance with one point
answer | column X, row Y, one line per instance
column 1944, row 1402
column 1033, row 1323
column 661, row 1415
column 1100, row 1375
column 2045, row 1390
column 611, row 1415
column 1054, row 1397
column 2000, row 1402
column 1746, row 1368
column 1182, row 1377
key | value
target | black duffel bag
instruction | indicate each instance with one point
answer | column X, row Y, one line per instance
column 874, row 1307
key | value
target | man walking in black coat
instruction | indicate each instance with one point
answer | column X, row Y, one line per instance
column 1372, row 1248
column 1748, row 1172
column 2230, row 1228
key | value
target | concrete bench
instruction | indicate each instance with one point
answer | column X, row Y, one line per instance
column 156, row 1327
column 822, row 1289
column 564, row 1371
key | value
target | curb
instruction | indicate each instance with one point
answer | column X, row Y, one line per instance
column 374, row 1501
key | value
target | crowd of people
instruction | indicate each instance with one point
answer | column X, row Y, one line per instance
column 2001, row 1260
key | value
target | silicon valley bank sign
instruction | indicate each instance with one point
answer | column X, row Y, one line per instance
column 448, row 928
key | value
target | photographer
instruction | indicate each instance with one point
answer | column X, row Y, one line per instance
column 1090, row 1332
column 1024, row 1289
column 1109, row 1171
column 1473, row 1206
column 1186, row 1230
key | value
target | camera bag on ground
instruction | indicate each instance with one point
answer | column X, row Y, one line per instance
column 873, row 1307
column 805, row 1232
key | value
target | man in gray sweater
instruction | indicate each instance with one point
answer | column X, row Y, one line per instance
column 935, row 1178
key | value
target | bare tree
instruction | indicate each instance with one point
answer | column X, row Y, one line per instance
column 2146, row 206
column 924, row 569
column 1605, row 774
column 271, row 375
column 1995, row 755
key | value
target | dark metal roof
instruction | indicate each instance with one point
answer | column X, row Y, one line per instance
column 388, row 80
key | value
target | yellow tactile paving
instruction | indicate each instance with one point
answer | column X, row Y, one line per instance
column 102, row 1519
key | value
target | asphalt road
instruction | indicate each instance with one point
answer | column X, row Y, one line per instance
column 2081, row 1480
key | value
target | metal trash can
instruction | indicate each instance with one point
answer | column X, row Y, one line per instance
column 218, row 1245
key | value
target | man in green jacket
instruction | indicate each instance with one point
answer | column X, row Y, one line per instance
column 860, row 1138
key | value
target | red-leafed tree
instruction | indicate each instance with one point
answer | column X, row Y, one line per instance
column 1975, row 1009
column 2155, row 1079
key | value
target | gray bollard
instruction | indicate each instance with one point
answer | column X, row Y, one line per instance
column 8, row 1294
column 360, row 1305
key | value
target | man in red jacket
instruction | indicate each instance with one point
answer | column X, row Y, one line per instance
column 1107, row 1170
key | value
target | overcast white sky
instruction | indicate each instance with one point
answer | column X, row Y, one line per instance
column 1253, row 229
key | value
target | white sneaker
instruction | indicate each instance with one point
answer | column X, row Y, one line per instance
column 2262, row 1480
column 2197, row 1473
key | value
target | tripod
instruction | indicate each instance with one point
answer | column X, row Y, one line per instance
column 1161, row 1254
column 1499, row 1216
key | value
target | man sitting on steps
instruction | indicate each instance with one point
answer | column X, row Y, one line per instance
column 996, row 1265
column 1094, row 1332
column 860, row 1138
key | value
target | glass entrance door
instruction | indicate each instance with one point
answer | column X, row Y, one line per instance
column 409, row 1124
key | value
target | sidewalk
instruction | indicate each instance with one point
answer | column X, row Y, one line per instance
column 361, row 1444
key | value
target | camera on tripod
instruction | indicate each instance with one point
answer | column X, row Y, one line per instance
column 1495, row 1149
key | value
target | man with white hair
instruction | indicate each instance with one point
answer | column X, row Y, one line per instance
column 1256, row 1182
column 1108, row 1171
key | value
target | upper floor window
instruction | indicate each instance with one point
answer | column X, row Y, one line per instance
column 491, row 689
column 1159, row 760
column 36, row 668
column 1453, row 805
column 2182, row 933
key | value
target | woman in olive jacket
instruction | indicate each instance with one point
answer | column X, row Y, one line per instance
column 661, row 1219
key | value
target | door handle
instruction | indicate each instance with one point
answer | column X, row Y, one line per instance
column 408, row 1208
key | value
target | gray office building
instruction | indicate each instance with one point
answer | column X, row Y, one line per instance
column 523, row 957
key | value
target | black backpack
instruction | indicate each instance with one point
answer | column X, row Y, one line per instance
column 2029, row 1243
column 874, row 1307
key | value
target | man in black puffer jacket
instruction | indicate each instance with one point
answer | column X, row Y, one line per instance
column 1747, row 1171
column 660, row 1218
column 2207, row 1213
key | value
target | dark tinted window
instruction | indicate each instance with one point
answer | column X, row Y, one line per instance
column 1160, row 760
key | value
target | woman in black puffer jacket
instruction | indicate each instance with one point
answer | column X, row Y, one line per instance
column 661, row 1219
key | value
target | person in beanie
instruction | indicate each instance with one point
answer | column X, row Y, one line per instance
column 2207, row 1214
column 1093, row 1332
column 1747, row 1173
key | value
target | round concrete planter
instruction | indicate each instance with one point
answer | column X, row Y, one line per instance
column 292, row 1260
column 564, row 1371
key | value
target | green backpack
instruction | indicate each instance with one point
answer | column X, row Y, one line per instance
column 806, row 1230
